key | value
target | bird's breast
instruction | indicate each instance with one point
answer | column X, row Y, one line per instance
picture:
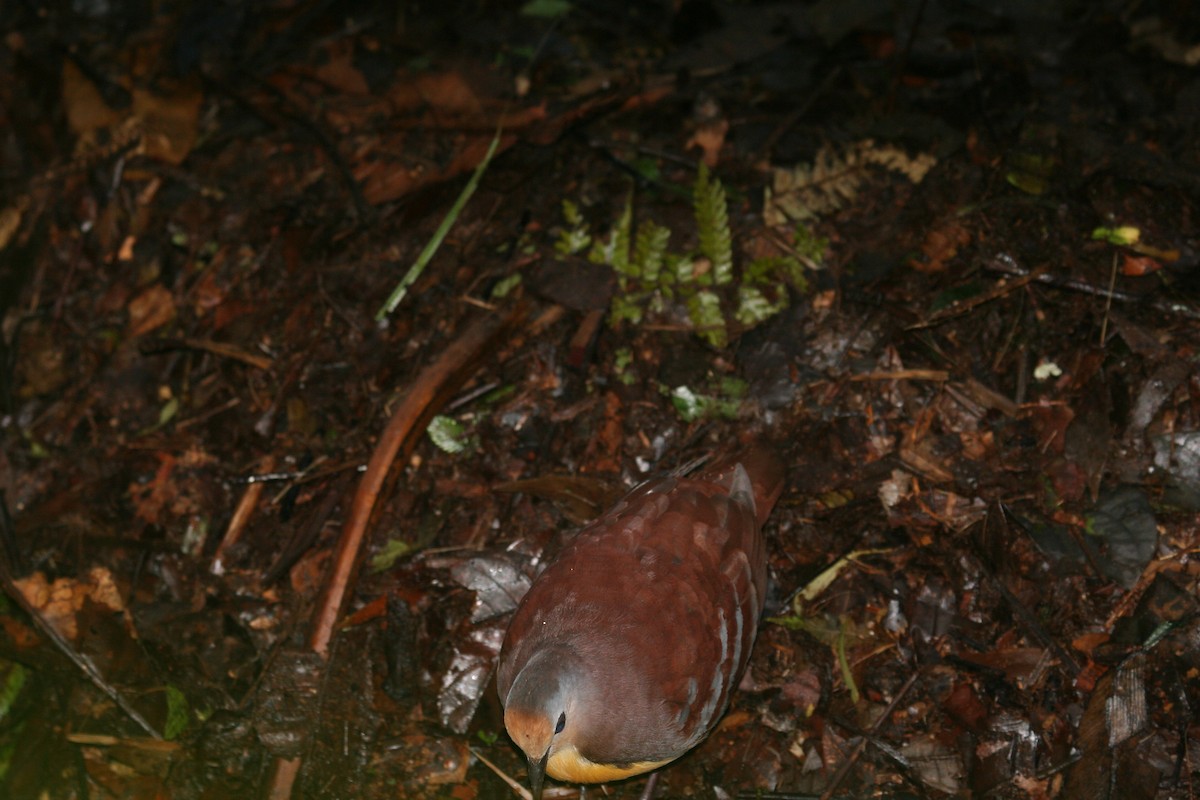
column 568, row 764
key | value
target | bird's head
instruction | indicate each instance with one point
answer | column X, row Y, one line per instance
column 539, row 712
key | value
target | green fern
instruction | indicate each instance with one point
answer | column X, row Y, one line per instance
column 649, row 251
column 615, row 250
column 712, row 220
column 574, row 238
column 651, row 279
column 704, row 309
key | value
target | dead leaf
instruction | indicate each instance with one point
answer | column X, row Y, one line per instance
column 710, row 138
column 1137, row 266
column 59, row 602
column 940, row 246
column 84, row 105
column 150, row 310
column 170, row 122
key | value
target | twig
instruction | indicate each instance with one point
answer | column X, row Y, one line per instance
column 852, row 759
column 241, row 515
column 1112, row 284
column 1002, row 262
column 903, row 375
column 222, row 349
column 504, row 776
column 1002, row 288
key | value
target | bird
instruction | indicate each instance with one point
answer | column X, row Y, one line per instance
column 623, row 654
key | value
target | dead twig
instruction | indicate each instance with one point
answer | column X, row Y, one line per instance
column 852, row 759
column 936, row 375
column 1002, row 262
column 1003, row 287
column 220, row 349
column 241, row 516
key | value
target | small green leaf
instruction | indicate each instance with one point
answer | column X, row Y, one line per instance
column 689, row 405
column 392, row 551
column 648, row 169
column 15, row 676
column 618, row 249
column 622, row 360
column 448, row 434
column 570, row 212
column 497, row 395
column 178, row 714
column 546, row 9
column 649, row 251
column 572, row 241
column 733, row 388
column 575, row 238
column 506, row 285
column 1123, row 236
column 808, row 245
column 168, row 411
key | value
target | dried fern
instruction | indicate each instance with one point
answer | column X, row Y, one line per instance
column 834, row 179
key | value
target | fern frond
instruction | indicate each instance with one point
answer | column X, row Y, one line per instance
column 650, row 249
column 834, row 179
column 621, row 236
column 754, row 307
column 574, row 238
column 712, row 220
column 704, row 310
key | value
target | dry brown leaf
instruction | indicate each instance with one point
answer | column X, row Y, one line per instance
column 151, row 309
column 10, row 220
column 170, row 122
column 1137, row 266
column 449, row 93
column 85, row 107
column 940, row 246
column 338, row 70
column 710, row 138
column 60, row 602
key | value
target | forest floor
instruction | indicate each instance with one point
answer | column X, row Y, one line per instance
column 261, row 535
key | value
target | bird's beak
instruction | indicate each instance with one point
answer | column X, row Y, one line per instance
column 537, row 774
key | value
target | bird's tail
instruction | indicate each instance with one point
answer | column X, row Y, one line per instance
column 762, row 468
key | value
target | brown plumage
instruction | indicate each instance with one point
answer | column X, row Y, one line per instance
column 623, row 654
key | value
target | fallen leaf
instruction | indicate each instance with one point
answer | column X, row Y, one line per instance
column 150, row 310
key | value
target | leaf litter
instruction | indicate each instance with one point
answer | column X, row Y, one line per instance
column 984, row 382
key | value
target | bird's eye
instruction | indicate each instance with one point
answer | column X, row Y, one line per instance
column 562, row 722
